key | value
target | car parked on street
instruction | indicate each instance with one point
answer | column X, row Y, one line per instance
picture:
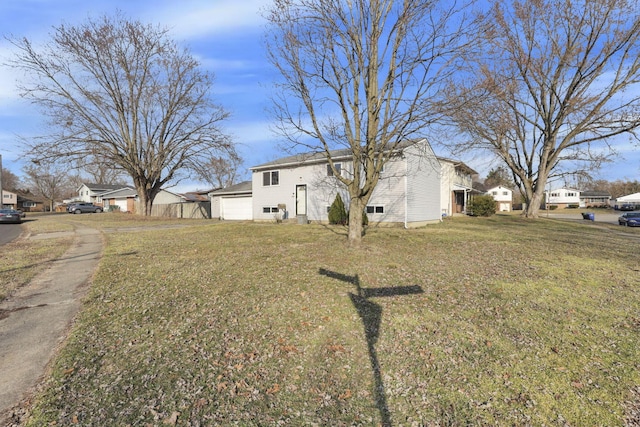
column 10, row 216
column 630, row 219
column 78, row 208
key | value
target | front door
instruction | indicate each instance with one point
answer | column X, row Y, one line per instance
column 301, row 199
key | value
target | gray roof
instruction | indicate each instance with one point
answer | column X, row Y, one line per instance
column 104, row 187
column 595, row 194
column 244, row 187
column 120, row 192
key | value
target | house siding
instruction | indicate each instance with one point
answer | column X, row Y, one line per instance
column 423, row 186
column 408, row 191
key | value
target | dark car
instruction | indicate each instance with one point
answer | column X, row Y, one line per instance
column 78, row 208
column 10, row 216
column 630, row 219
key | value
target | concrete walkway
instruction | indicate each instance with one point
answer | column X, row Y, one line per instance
column 35, row 320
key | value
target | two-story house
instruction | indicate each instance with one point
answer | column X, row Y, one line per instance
column 503, row 197
column 456, row 182
column 408, row 192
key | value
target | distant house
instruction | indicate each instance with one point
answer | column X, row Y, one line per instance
column 630, row 199
column 408, row 192
column 503, row 197
column 9, row 200
column 233, row 203
column 563, row 198
column 122, row 200
column 92, row 193
column 589, row 199
column 28, row 202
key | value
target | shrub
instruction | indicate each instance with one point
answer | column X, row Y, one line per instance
column 337, row 212
column 482, row 206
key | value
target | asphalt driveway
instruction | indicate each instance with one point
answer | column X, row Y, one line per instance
column 9, row 232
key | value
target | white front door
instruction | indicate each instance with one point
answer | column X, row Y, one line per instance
column 301, row 199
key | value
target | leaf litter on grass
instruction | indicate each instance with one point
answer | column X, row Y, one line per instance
column 233, row 324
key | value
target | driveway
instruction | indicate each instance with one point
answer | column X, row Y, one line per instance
column 35, row 320
column 9, row 232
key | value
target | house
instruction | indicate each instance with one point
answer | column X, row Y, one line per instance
column 503, row 197
column 563, row 198
column 630, row 199
column 91, row 193
column 456, row 186
column 303, row 186
column 233, row 202
column 28, row 202
column 122, row 199
column 589, row 199
column 9, row 200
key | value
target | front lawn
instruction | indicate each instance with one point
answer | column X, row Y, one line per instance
column 475, row 321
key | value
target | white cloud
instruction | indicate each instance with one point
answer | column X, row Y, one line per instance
column 203, row 18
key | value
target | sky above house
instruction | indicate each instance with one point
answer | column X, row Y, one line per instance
column 227, row 37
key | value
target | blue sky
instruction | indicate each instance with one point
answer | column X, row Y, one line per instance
column 226, row 36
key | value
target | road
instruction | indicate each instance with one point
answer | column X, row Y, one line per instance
column 9, row 232
column 606, row 217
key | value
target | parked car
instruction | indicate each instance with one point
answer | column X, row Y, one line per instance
column 10, row 216
column 630, row 219
column 627, row 207
column 78, row 208
column 22, row 214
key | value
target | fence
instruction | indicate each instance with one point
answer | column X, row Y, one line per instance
column 194, row 210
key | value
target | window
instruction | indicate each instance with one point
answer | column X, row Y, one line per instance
column 375, row 209
column 270, row 209
column 28, row 204
column 6, row 196
column 555, row 194
column 495, row 193
column 505, row 193
column 571, row 194
column 338, row 167
column 270, row 178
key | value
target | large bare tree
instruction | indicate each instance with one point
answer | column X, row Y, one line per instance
column 557, row 81
column 122, row 92
column 362, row 75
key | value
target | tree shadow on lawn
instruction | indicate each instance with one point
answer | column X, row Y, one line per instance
column 371, row 315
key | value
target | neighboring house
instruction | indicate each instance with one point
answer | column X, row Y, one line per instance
column 630, row 199
column 456, row 186
column 122, row 199
column 303, row 186
column 589, row 199
column 563, row 198
column 233, row 202
column 9, row 200
column 503, row 197
column 28, row 202
column 91, row 193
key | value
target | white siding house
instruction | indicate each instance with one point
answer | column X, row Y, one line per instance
column 503, row 197
column 456, row 186
column 303, row 186
column 563, row 198
column 91, row 193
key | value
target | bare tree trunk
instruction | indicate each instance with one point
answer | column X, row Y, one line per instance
column 356, row 230
column 534, row 204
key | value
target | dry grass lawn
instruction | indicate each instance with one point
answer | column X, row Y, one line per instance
column 475, row 321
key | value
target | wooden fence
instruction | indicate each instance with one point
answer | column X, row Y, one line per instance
column 192, row 210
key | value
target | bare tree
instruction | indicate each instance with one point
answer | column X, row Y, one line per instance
column 123, row 93
column 557, row 80
column 10, row 181
column 498, row 176
column 221, row 171
column 49, row 182
column 362, row 75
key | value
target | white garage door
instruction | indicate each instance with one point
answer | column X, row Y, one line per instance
column 236, row 208
column 122, row 204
